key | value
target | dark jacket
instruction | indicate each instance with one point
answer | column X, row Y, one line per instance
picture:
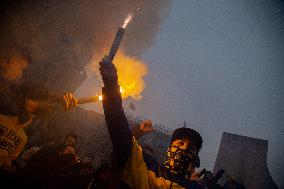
column 13, row 95
column 139, row 167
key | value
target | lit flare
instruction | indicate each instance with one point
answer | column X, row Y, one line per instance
column 100, row 97
column 127, row 20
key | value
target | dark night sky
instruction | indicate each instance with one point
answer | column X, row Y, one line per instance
column 219, row 67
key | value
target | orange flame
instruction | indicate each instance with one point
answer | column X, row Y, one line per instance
column 131, row 72
column 130, row 75
column 127, row 20
column 121, row 90
column 100, row 97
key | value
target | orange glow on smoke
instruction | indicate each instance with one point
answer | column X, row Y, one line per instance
column 13, row 69
column 130, row 75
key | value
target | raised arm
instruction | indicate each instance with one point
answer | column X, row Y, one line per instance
column 143, row 128
column 116, row 121
column 17, row 98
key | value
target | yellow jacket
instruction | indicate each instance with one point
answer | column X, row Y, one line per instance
column 137, row 176
column 12, row 139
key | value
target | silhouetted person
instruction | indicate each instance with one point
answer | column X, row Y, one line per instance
column 52, row 169
column 138, row 171
column 210, row 181
column 69, row 140
column 87, row 171
column 19, row 103
column 103, row 177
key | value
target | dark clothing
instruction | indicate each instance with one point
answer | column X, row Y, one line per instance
column 11, row 102
column 127, row 151
column 37, row 169
column 87, row 175
column 117, row 124
column 160, row 171
column 47, row 169
column 10, row 180
column 13, row 95
column 66, row 172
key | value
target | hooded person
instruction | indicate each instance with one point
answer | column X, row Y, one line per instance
column 140, row 169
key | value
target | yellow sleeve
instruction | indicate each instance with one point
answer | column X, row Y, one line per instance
column 12, row 139
column 21, row 147
column 135, row 172
column 160, row 183
column 137, row 176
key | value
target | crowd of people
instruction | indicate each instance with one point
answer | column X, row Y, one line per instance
column 59, row 166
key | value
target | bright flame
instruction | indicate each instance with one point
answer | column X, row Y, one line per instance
column 130, row 75
column 127, row 20
column 121, row 90
column 100, row 97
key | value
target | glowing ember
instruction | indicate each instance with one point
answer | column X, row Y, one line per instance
column 100, row 97
column 121, row 90
column 127, row 20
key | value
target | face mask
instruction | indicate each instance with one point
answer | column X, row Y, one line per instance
column 178, row 160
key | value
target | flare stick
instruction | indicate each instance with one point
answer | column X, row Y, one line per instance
column 89, row 99
column 116, row 42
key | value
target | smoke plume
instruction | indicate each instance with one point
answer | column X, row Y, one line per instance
column 62, row 37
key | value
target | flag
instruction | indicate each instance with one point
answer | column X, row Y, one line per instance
column 131, row 106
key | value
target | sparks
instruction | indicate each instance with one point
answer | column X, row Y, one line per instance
column 127, row 20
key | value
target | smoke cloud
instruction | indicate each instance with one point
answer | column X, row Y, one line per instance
column 62, row 37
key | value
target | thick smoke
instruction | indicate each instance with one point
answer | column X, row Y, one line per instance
column 63, row 36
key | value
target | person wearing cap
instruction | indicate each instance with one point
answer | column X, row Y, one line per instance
column 140, row 169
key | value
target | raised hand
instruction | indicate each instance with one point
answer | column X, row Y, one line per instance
column 108, row 72
column 146, row 126
column 70, row 101
column 196, row 176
